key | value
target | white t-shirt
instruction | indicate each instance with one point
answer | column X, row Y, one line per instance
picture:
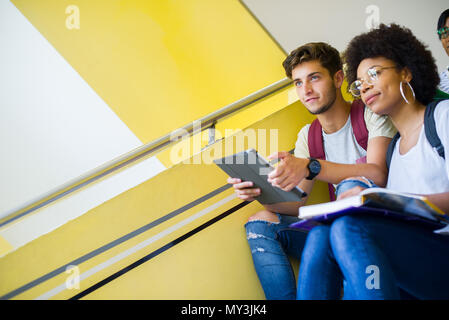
column 421, row 170
column 342, row 146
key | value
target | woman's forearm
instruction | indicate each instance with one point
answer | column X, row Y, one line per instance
column 441, row 200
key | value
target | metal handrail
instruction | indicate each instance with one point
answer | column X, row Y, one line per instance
column 156, row 145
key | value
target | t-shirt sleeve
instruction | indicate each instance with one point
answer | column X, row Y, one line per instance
column 301, row 145
column 444, row 81
column 378, row 126
column 441, row 116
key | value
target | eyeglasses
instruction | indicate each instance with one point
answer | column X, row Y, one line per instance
column 373, row 75
column 443, row 33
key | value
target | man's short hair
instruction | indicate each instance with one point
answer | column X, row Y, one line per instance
column 328, row 56
column 442, row 20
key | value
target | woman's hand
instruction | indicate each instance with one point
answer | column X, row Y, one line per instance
column 351, row 192
column 352, row 187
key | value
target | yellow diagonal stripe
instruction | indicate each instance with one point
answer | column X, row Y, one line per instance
column 5, row 246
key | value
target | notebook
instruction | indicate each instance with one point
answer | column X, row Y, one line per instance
column 375, row 201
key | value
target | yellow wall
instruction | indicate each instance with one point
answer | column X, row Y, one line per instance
column 161, row 64
column 213, row 264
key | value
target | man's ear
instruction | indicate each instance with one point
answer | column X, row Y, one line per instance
column 339, row 77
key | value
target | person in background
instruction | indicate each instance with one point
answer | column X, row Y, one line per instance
column 443, row 34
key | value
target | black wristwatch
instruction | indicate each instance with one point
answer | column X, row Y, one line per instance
column 314, row 167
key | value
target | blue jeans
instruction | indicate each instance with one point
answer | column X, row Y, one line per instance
column 350, row 183
column 380, row 258
column 271, row 244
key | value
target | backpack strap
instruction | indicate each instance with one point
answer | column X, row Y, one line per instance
column 316, row 148
column 358, row 123
column 315, row 136
column 315, row 140
column 431, row 129
column 390, row 149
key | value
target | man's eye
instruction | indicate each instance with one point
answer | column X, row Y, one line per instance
column 298, row 83
column 314, row 77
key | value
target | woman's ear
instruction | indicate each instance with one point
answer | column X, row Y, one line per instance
column 406, row 74
column 339, row 77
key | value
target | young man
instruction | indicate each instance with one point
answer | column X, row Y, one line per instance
column 443, row 34
column 316, row 70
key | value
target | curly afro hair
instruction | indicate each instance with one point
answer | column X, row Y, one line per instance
column 398, row 44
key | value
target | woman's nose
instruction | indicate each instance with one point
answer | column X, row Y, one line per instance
column 365, row 86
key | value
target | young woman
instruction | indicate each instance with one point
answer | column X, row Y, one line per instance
column 395, row 75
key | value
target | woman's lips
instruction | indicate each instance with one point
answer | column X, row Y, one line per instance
column 370, row 99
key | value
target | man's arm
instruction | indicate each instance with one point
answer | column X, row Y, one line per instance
column 292, row 170
column 375, row 167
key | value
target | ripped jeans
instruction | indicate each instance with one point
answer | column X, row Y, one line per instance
column 271, row 243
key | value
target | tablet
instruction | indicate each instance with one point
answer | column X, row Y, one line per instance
column 250, row 166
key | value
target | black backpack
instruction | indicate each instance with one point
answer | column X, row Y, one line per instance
column 430, row 130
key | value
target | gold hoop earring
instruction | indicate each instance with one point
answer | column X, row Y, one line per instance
column 402, row 91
